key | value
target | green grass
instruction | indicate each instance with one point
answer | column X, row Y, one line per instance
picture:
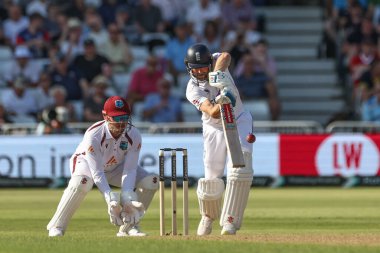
column 276, row 220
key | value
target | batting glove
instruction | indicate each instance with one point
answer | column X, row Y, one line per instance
column 219, row 79
column 226, row 96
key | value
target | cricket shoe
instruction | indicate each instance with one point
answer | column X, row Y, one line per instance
column 205, row 226
column 228, row 229
column 134, row 231
column 53, row 232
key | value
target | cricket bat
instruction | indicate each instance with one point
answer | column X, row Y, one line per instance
column 231, row 135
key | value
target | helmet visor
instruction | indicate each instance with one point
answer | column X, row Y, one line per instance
column 197, row 65
column 120, row 119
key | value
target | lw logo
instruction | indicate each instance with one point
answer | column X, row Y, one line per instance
column 338, row 155
column 352, row 153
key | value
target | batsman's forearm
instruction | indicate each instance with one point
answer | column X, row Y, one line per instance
column 211, row 109
column 223, row 62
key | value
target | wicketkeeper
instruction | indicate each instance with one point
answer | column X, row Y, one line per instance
column 211, row 84
column 108, row 155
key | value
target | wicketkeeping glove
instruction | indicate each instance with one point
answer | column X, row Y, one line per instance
column 114, row 208
column 132, row 210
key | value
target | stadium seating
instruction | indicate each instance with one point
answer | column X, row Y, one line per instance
column 121, row 82
column 5, row 53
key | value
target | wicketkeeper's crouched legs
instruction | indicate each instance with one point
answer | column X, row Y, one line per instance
column 239, row 181
column 73, row 195
column 145, row 190
column 209, row 193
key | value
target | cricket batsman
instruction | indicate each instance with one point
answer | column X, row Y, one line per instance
column 210, row 86
column 108, row 156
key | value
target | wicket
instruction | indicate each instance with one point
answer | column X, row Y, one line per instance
column 174, row 190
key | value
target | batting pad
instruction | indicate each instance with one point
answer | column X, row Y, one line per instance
column 73, row 195
column 210, row 193
column 239, row 181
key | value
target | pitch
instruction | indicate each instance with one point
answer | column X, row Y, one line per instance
column 277, row 220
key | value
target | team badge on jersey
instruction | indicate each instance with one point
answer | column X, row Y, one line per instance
column 123, row 145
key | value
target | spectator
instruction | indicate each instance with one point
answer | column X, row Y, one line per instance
column 23, row 66
column 93, row 104
column 367, row 83
column 117, row 50
column 35, row 36
column 257, row 85
column 15, row 23
column 68, row 77
column 76, row 9
column 150, row 25
column 72, row 46
column 44, row 100
column 148, row 18
column 361, row 62
column 162, row 106
column 54, row 50
column 107, row 11
column 263, row 61
column 4, row 7
column 250, row 36
column 53, row 121
column 176, row 49
column 201, row 12
column 37, row 6
column 371, row 108
column 90, row 64
column 349, row 23
column 237, row 48
column 59, row 94
column 20, row 102
column 144, row 80
column 56, row 23
column 96, row 30
column 365, row 32
column 172, row 11
column 211, row 36
column 125, row 23
column 236, row 10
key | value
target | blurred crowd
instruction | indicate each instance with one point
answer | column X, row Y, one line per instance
column 352, row 29
column 60, row 60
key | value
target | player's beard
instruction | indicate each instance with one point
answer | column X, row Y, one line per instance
column 117, row 129
column 201, row 77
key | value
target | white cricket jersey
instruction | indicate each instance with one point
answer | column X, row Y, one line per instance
column 103, row 154
column 197, row 92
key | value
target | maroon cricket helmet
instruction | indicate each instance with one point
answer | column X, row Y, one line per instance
column 116, row 106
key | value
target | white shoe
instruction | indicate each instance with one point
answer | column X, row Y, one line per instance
column 228, row 229
column 55, row 232
column 121, row 234
column 205, row 226
column 134, row 231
